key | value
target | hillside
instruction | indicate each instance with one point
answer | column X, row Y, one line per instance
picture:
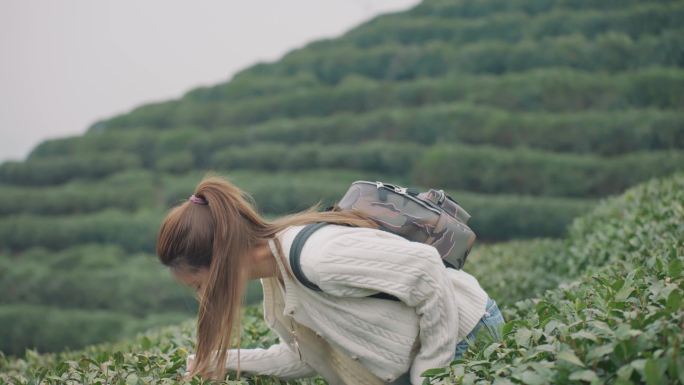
column 616, row 314
column 527, row 112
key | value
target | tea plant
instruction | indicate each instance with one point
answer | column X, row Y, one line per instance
column 620, row 323
column 155, row 357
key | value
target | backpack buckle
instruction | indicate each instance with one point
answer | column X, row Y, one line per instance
column 395, row 188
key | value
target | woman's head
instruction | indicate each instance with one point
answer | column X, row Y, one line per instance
column 207, row 246
column 212, row 240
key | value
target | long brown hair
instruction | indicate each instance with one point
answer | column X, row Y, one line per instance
column 219, row 236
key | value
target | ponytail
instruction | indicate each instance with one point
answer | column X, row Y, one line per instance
column 221, row 300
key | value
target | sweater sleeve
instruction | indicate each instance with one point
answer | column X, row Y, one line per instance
column 370, row 260
column 277, row 360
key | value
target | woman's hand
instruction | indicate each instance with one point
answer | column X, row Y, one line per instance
column 189, row 364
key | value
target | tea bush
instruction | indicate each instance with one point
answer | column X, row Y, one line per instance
column 533, row 172
column 547, row 98
column 588, row 131
column 516, row 270
column 59, row 169
column 512, row 21
column 619, row 323
column 549, row 89
column 610, row 51
column 51, row 328
column 108, row 218
column 154, row 357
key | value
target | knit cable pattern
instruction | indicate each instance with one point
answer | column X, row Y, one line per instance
column 411, row 271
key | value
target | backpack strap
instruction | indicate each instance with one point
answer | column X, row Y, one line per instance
column 296, row 250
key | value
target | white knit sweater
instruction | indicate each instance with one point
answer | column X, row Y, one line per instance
column 439, row 306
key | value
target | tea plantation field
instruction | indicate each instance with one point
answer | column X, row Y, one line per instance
column 603, row 305
column 528, row 112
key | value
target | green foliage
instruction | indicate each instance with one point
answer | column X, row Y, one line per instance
column 580, row 132
column 610, row 51
column 46, row 328
column 389, row 158
column 526, row 111
column 132, row 231
column 535, row 172
column 541, row 89
column 497, row 217
column 519, row 171
column 95, row 276
column 157, row 356
column 619, row 323
column 591, row 131
column 516, row 270
column 97, row 284
column 470, row 23
column 127, row 190
column 466, row 9
column 242, row 87
column 60, row 169
column 274, row 194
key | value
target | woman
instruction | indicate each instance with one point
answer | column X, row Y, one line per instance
column 216, row 241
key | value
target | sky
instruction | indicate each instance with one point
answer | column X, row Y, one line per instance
column 66, row 64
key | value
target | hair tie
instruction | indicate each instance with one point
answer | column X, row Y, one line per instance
column 198, row 200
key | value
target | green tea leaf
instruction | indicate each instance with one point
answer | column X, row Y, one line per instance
column 584, row 375
column 600, row 351
column 674, row 300
column 433, row 372
column 654, row 372
column 674, row 268
column 532, row 378
column 584, row 334
column 569, row 356
column 522, row 337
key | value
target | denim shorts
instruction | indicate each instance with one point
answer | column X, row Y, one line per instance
column 492, row 320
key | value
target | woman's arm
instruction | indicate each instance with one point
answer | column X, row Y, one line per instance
column 368, row 260
column 277, row 360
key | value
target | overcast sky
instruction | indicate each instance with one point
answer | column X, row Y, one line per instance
column 65, row 64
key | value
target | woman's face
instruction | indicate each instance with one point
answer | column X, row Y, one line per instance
column 192, row 278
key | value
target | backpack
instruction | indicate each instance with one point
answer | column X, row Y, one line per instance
column 431, row 217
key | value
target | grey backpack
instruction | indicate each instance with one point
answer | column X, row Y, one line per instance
column 430, row 217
